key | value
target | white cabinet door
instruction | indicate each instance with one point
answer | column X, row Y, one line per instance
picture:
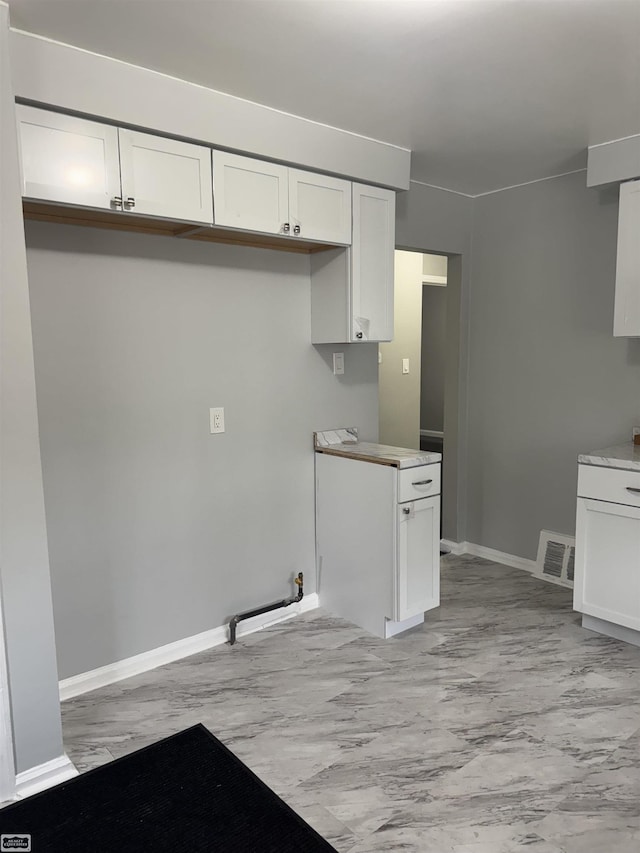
column 417, row 579
column 626, row 322
column 68, row 159
column 250, row 194
column 607, row 562
column 165, row 177
column 372, row 263
column 319, row 207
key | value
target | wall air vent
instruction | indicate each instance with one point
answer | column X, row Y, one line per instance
column 556, row 557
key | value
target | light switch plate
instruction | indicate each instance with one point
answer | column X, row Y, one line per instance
column 338, row 363
column 216, row 419
column 405, row 365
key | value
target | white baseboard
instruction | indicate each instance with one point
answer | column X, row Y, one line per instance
column 456, row 548
column 500, row 557
column 109, row 674
column 45, row 775
column 459, row 548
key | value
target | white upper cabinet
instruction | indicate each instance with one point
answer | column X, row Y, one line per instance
column 374, row 229
column 626, row 321
column 249, row 194
column 352, row 289
column 254, row 195
column 71, row 160
column 165, row 177
column 319, row 207
column 67, row 159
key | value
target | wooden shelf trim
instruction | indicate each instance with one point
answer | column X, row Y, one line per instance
column 117, row 221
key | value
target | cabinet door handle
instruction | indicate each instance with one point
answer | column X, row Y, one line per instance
column 635, row 491
column 286, row 227
column 296, row 229
column 116, row 201
column 406, row 510
column 426, row 483
column 359, row 335
column 129, row 203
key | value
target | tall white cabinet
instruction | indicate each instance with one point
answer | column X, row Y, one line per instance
column 626, row 319
column 352, row 291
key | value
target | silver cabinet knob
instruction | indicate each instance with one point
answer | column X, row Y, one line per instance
column 129, row 202
column 116, row 201
column 359, row 335
column 286, row 227
column 296, row 229
column 406, row 510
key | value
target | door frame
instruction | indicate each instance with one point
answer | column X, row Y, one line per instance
column 7, row 761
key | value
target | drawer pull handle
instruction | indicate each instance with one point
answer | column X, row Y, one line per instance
column 635, row 491
column 426, row 483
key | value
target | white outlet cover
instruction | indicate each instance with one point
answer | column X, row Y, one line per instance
column 338, row 363
column 405, row 365
column 216, row 420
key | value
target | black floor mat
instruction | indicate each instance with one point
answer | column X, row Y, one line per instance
column 187, row 792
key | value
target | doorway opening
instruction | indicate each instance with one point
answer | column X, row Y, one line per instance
column 418, row 372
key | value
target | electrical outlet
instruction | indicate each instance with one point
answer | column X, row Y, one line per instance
column 338, row 363
column 216, row 420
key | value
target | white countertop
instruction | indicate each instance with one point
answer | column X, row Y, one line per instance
column 344, row 442
column 625, row 456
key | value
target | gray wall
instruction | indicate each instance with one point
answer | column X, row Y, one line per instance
column 24, row 565
column 433, row 220
column 547, row 378
column 433, row 357
column 157, row 529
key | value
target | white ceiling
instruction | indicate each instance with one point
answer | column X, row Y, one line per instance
column 486, row 93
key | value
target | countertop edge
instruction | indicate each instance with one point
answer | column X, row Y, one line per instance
column 376, row 460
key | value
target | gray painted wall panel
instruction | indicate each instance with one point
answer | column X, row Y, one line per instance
column 159, row 530
column 24, row 565
column 547, row 379
column 434, row 220
column 72, row 79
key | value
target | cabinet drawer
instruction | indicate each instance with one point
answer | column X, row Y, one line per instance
column 609, row 484
column 420, row 482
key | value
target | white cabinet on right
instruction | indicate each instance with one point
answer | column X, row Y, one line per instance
column 626, row 320
column 352, row 290
column 607, row 559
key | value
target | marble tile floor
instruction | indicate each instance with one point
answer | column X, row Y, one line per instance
column 500, row 726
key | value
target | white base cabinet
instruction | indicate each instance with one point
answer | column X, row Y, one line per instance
column 378, row 558
column 607, row 559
